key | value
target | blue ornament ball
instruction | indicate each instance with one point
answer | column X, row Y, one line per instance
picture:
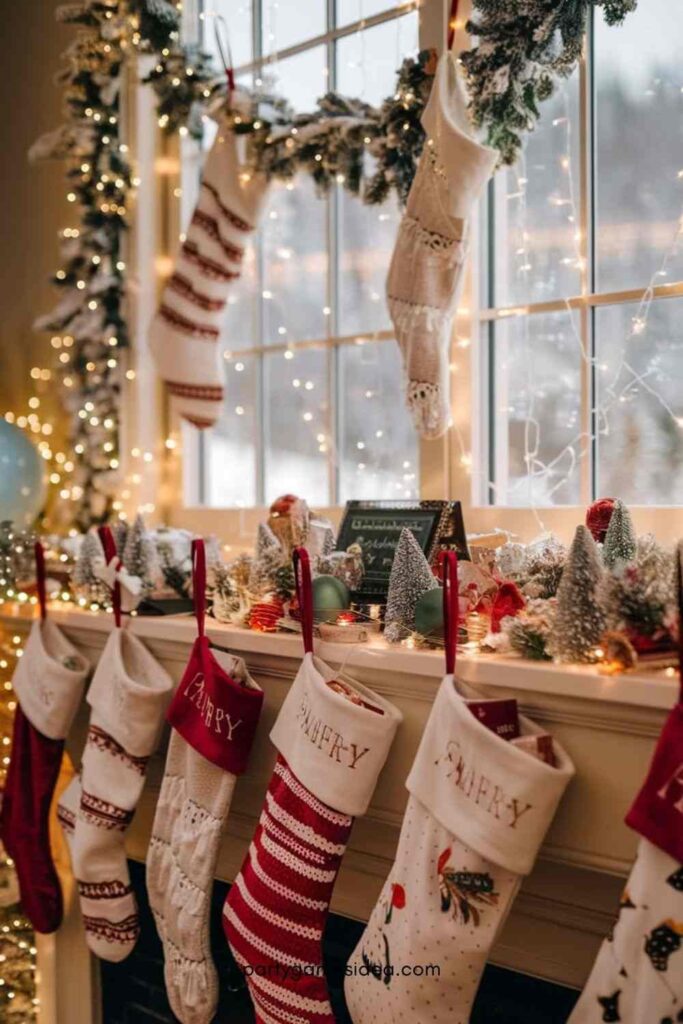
column 22, row 475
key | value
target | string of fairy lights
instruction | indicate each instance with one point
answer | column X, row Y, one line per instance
column 370, row 452
column 551, row 475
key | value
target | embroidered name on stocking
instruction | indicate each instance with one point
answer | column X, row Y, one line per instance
column 213, row 716
column 326, row 738
column 479, row 788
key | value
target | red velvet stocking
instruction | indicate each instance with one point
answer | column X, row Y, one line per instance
column 31, row 782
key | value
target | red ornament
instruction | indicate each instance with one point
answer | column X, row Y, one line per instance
column 282, row 506
column 598, row 517
column 507, row 601
column 265, row 615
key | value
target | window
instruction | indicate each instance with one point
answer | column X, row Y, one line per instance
column 313, row 377
column 582, row 284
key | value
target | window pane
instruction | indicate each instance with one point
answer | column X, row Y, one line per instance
column 349, row 11
column 232, row 22
column 367, row 62
column 286, row 22
column 296, row 413
column 295, row 227
column 366, row 67
column 639, row 128
column 537, row 410
column 301, row 79
column 640, row 388
column 378, row 455
column 295, row 264
column 230, row 470
column 536, row 247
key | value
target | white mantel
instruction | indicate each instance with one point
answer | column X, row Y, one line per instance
column 608, row 724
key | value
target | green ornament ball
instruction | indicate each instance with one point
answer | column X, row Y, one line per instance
column 330, row 596
column 429, row 613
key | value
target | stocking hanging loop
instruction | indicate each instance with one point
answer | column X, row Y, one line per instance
column 199, row 582
column 226, row 54
column 40, row 578
column 304, row 593
column 452, row 19
column 679, row 587
column 109, row 545
column 448, row 563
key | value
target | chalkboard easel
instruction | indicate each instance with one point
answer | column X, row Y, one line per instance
column 376, row 526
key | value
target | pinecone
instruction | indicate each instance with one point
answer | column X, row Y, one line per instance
column 661, row 943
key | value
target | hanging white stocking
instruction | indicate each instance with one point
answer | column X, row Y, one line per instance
column 186, row 330
column 478, row 810
column 426, row 272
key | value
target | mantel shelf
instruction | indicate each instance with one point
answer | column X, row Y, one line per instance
column 656, row 689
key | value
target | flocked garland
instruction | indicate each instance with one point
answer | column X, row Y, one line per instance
column 522, row 47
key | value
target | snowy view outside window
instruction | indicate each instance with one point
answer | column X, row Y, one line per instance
column 620, row 234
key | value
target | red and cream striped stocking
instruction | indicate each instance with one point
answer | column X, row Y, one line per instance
column 185, row 333
column 332, row 736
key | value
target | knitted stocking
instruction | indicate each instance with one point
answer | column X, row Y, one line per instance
column 214, row 715
column 638, row 974
column 48, row 681
column 186, row 330
column 426, row 271
column 331, row 750
column 478, row 810
column 127, row 697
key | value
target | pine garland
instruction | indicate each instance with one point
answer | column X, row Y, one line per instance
column 523, row 48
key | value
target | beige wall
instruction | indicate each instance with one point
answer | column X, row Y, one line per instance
column 33, row 206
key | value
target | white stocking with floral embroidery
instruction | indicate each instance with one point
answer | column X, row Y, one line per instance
column 426, row 272
column 477, row 813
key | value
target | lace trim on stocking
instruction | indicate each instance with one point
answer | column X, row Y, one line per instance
column 407, row 316
column 426, row 407
column 413, row 234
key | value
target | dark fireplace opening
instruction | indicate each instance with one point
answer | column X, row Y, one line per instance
column 133, row 991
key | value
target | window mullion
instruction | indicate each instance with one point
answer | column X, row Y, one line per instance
column 587, row 375
column 335, row 410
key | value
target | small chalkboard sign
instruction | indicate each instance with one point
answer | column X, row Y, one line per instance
column 376, row 527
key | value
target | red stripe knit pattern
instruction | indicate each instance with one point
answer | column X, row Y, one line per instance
column 275, row 913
